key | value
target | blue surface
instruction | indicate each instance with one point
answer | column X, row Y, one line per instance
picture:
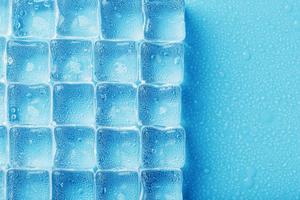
column 241, row 99
column 3, row 146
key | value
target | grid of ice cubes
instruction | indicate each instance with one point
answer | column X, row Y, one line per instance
column 90, row 99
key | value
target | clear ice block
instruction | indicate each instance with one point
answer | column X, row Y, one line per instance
column 116, row 104
column 163, row 147
column 162, row 63
column 118, row 148
column 2, row 103
column 78, row 18
column 73, row 104
column 121, row 19
column 72, row 60
column 28, row 185
column 73, row 185
column 160, row 105
column 30, row 147
column 75, row 147
column 116, row 61
column 4, row 17
column 29, row 104
column 33, row 18
column 2, row 185
column 161, row 184
column 27, row 61
column 117, row 185
column 3, row 147
column 2, row 51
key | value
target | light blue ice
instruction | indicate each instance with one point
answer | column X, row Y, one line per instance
column 117, row 185
column 2, row 184
column 28, row 185
column 2, row 52
column 75, row 147
column 3, row 147
column 29, row 104
column 2, row 102
column 4, row 17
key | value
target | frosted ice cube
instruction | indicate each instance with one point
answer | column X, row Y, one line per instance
column 2, row 185
column 4, row 16
column 27, row 61
column 3, row 147
column 72, row 60
column 28, row 185
column 121, row 19
column 164, row 20
column 161, row 184
column 29, row 104
column 162, row 63
column 75, row 147
column 117, row 185
column 160, row 105
column 2, row 103
column 2, row 50
column 73, row 104
column 118, row 148
column 116, row 61
column 163, row 147
column 33, row 18
column 73, row 185
column 30, row 147
column 78, row 18
column 116, row 104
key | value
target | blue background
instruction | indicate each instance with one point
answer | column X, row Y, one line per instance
column 241, row 100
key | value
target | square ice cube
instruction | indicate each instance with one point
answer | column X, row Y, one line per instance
column 163, row 147
column 75, row 147
column 72, row 60
column 164, row 20
column 2, row 185
column 73, row 185
column 28, row 185
column 160, row 105
column 161, row 184
column 118, row 148
column 29, row 104
column 2, row 50
column 27, row 61
column 78, row 18
column 2, row 103
column 121, row 19
column 116, row 61
column 30, row 147
column 33, row 18
column 73, row 104
column 4, row 17
column 117, row 185
column 3, row 147
column 162, row 63
column 116, row 104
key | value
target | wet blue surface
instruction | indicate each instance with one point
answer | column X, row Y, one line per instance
column 241, row 101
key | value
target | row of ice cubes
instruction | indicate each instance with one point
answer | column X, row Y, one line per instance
column 82, row 61
column 85, row 185
column 107, row 104
column 82, row 147
column 109, row 19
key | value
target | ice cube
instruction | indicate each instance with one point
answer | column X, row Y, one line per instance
column 121, row 19
column 78, row 18
column 28, row 185
column 3, row 147
column 30, row 147
column 161, row 184
column 73, row 185
column 163, row 147
column 118, row 148
column 2, row 103
column 75, row 147
column 33, row 18
column 72, row 60
column 2, row 185
column 4, row 17
column 2, row 50
column 116, row 61
column 116, row 104
column 27, row 61
column 122, row 185
column 162, row 63
column 160, row 105
column 73, row 104
column 29, row 104
column 164, row 20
